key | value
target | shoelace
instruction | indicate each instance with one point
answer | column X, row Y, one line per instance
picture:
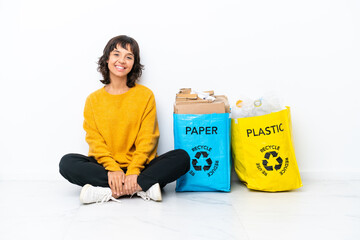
column 143, row 195
column 106, row 198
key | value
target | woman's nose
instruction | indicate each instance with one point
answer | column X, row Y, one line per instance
column 121, row 60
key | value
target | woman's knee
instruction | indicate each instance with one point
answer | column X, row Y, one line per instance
column 66, row 162
column 184, row 158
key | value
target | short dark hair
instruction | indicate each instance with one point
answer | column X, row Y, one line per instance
column 124, row 41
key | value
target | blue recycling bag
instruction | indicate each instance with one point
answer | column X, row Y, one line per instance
column 206, row 138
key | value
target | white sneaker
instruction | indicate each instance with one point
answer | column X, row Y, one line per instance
column 153, row 193
column 91, row 194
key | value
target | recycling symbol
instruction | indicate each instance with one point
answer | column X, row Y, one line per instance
column 196, row 161
column 267, row 157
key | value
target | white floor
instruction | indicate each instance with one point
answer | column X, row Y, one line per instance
column 324, row 208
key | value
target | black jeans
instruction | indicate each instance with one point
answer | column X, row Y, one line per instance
column 81, row 170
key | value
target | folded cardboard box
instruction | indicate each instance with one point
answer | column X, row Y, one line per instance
column 189, row 103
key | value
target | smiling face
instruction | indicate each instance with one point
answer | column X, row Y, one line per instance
column 120, row 62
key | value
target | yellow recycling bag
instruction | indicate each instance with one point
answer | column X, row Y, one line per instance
column 263, row 152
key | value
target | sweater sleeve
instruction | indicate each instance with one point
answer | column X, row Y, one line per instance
column 147, row 139
column 97, row 145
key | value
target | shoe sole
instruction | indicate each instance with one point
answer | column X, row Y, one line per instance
column 82, row 193
column 160, row 197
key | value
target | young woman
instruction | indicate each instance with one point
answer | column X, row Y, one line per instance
column 122, row 133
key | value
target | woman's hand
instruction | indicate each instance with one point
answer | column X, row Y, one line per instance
column 116, row 180
column 131, row 186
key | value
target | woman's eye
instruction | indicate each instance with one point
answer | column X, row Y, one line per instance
column 116, row 54
column 130, row 58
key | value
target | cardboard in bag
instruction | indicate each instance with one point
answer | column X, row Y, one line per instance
column 188, row 103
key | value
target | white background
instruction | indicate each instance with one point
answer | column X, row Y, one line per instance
column 307, row 51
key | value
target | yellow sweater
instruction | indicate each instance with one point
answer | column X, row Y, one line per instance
column 122, row 130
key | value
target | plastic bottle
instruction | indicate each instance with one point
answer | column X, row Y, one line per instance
column 246, row 107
